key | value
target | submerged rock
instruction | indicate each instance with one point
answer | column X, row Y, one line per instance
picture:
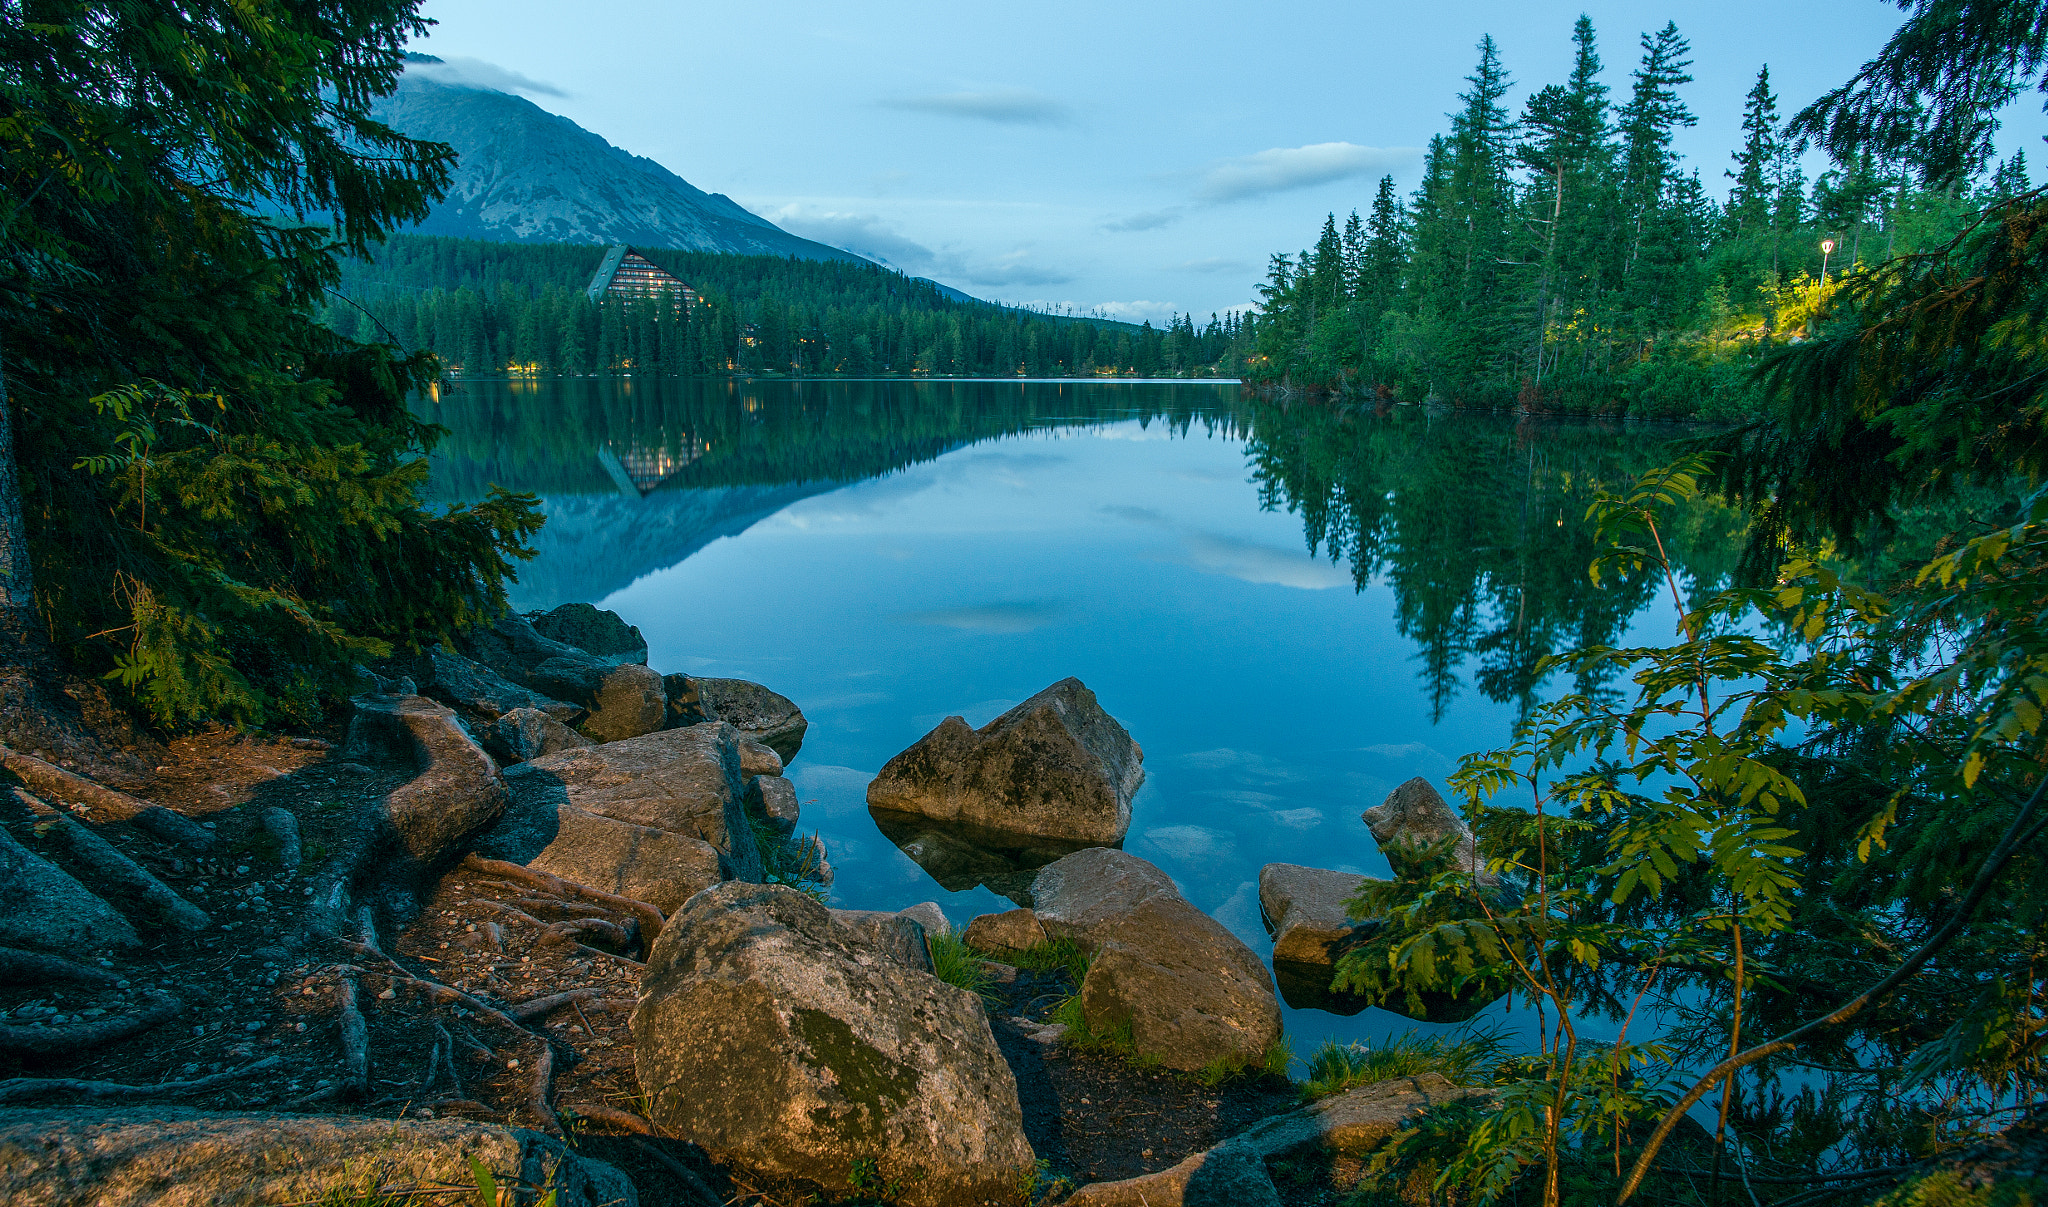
column 1305, row 912
column 765, row 716
column 173, row 1157
column 784, row 1043
column 1056, row 766
column 1191, row 992
column 1416, row 815
column 962, row 857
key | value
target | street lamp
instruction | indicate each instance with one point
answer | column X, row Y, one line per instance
column 1827, row 248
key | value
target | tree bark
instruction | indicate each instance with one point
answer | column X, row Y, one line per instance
column 17, row 580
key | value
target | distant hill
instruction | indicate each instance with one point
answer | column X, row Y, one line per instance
column 529, row 176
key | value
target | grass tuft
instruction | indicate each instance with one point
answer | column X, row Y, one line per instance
column 1055, row 955
column 1273, row 1062
column 955, row 963
column 1338, row 1067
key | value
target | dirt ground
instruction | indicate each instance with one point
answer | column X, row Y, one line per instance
column 441, row 998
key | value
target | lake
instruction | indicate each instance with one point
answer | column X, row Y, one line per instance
column 1292, row 609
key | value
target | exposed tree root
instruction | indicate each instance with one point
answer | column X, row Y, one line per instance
column 157, row 1009
column 38, row 1087
column 650, row 917
column 36, row 966
column 355, row 1043
column 611, row 1116
column 113, row 870
column 106, row 804
column 541, row 1007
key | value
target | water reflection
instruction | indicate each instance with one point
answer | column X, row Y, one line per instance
column 1293, row 609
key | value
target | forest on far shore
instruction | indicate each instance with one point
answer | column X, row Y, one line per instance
column 1565, row 260
column 493, row 309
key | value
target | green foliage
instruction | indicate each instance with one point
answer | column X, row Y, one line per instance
column 955, row 963
column 1948, row 1189
column 794, row 860
column 222, row 496
column 1566, row 263
column 493, row 308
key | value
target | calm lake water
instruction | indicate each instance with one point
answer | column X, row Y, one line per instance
column 1291, row 609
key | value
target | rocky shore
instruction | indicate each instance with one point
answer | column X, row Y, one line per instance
column 540, row 911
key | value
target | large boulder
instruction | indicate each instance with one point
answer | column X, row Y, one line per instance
column 173, row 1157
column 765, row 716
column 1414, row 814
column 1056, row 766
column 682, row 781
column 456, row 789
column 772, row 800
column 41, row 906
column 1192, row 993
column 623, row 700
column 527, row 733
column 1305, row 912
column 544, row 832
column 1006, row 933
column 592, row 630
column 481, row 694
column 784, row 1043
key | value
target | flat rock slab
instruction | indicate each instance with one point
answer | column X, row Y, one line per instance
column 1191, row 991
column 684, row 781
column 640, row 862
column 1221, row 1177
column 784, row 1043
column 172, row 1157
column 768, row 717
column 1305, row 912
column 1056, row 766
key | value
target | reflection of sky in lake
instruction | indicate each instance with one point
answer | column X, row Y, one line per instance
column 1274, row 702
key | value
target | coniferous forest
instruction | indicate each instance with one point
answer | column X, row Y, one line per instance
column 488, row 309
column 1564, row 259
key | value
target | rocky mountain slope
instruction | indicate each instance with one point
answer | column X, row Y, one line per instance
column 530, row 176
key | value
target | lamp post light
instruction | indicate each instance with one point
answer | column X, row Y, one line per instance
column 1827, row 248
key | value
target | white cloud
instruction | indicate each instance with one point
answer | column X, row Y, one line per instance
column 1151, row 220
column 1139, row 311
column 988, row 618
column 475, row 73
column 1190, row 843
column 877, row 238
column 1008, row 106
column 1282, row 168
column 1255, row 563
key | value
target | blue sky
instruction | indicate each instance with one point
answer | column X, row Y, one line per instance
column 1136, row 158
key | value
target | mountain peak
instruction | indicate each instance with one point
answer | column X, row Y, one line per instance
column 529, row 176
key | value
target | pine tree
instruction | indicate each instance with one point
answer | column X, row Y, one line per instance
column 1750, row 199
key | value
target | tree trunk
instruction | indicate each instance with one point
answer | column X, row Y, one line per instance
column 17, row 581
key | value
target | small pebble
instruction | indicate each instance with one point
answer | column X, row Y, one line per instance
column 199, row 1030
column 300, row 1027
column 512, row 1064
column 252, row 1026
column 387, row 995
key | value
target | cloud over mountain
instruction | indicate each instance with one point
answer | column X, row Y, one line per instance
column 1008, row 106
column 1282, row 168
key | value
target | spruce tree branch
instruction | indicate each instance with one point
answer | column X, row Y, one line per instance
column 2016, row 835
